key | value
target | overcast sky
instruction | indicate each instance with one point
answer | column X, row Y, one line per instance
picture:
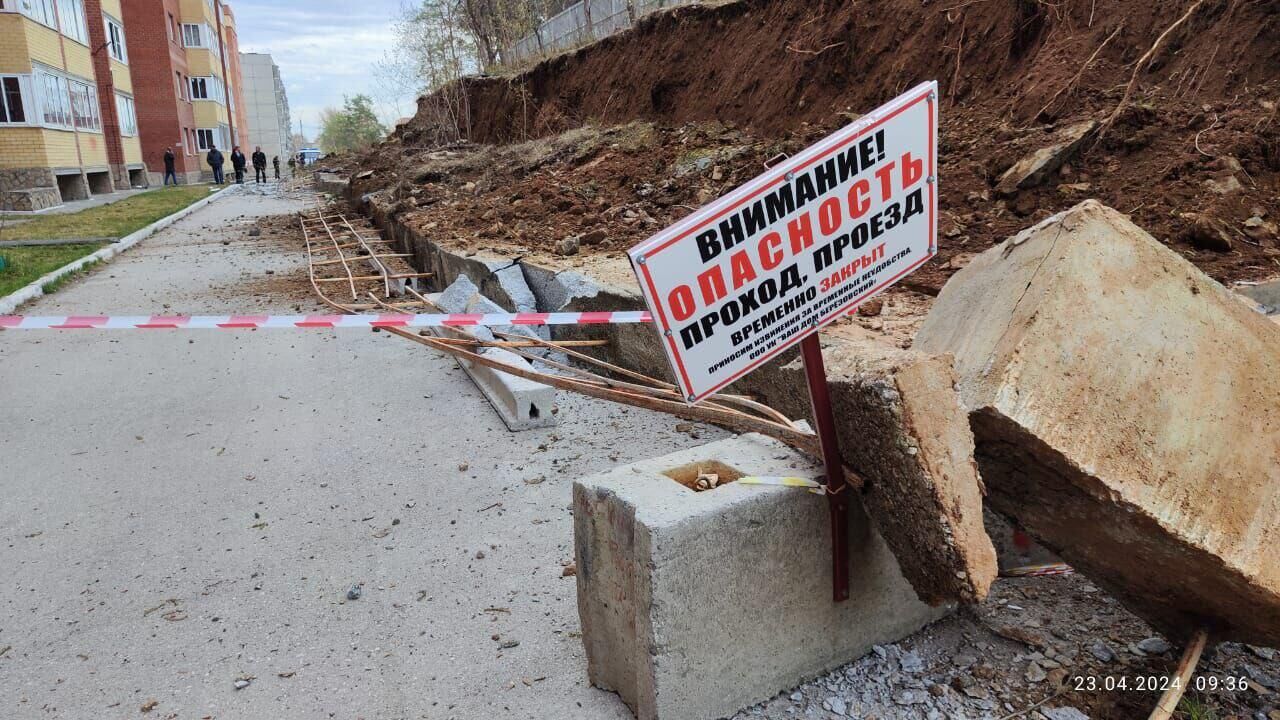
column 324, row 48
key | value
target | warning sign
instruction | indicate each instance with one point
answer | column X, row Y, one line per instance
column 753, row 273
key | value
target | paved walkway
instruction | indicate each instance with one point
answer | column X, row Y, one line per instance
column 181, row 510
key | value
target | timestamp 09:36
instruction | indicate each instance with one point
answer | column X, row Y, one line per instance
column 1158, row 683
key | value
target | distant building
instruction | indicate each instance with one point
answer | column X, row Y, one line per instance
column 310, row 155
column 67, row 122
column 266, row 106
column 188, row 92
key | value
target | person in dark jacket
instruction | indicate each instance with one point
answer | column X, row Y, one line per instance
column 259, row 165
column 170, row 169
column 214, row 158
column 275, row 162
column 238, row 163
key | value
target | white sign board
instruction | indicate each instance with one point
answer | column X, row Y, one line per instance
column 758, row 270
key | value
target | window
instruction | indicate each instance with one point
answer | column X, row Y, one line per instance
column 205, row 138
column 208, row 88
column 128, row 117
column 55, row 104
column 195, row 35
column 84, row 106
column 42, row 11
column 171, row 28
column 13, row 94
column 71, row 17
column 115, row 39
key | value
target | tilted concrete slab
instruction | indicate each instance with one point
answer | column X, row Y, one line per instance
column 901, row 426
column 522, row 404
column 1126, row 410
column 696, row 604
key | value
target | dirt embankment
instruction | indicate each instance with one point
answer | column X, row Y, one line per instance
column 1193, row 155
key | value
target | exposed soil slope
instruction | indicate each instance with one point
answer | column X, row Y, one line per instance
column 1193, row 156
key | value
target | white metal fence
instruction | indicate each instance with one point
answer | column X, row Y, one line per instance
column 569, row 27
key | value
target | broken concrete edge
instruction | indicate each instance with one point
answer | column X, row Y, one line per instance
column 521, row 403
column 1150, row 467
column 677, row 589
column 330, row 182
column 9, row 303
column 962, row 565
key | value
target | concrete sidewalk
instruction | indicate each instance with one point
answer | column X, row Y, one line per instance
column 183, row 510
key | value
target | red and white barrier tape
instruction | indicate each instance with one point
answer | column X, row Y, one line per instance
column 238, row 322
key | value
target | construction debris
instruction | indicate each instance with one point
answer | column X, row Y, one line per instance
column 1111, row 424
column 1036, row 168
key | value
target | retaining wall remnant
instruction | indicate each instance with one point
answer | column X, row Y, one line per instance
column 1126, row 411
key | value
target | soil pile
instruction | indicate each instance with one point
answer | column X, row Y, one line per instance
column 1193, row 153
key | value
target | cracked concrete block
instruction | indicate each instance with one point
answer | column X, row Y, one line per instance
column 1126, row 410
column 902, row 427
column 1035, row 168
column 555, row 291
column 696, row 604
column 522, row 404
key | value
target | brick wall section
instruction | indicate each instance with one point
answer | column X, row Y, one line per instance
column 106, row 91
column 163, row 117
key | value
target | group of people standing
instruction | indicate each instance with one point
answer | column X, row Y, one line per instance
column 216, row 161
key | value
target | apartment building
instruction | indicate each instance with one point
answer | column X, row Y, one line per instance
column 67, row 123
column 266, row 106
column 188, row 93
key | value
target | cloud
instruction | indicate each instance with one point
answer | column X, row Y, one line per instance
column 325, row 48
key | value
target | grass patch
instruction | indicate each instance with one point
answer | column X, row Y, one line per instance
column 1196, row 709
column 113, row 221
column 24, row 264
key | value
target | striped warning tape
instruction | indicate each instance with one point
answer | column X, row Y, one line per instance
column 237, row 322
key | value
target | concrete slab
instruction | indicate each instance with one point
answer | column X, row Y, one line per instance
column 1126, row 411
column 695, row 604
column 901, row 426
column 522, row 404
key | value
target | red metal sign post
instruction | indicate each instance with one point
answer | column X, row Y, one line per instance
column 838, row 493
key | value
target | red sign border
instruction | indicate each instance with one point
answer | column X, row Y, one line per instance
column 928, row 94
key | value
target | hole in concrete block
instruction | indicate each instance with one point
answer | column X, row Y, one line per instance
column 687, row 475
column 138, row 178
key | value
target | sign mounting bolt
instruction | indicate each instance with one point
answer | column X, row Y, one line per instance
column 932, row 96
column 640, row 259
column 691, row 397
column 791, row 175
column 931, row 180
column 667, row 332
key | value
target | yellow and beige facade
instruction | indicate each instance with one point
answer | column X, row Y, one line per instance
column 68, row 127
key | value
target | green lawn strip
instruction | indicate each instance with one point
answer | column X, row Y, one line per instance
column 115, row 220
column 25, row 264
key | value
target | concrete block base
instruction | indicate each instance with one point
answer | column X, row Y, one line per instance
column 697, row 604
